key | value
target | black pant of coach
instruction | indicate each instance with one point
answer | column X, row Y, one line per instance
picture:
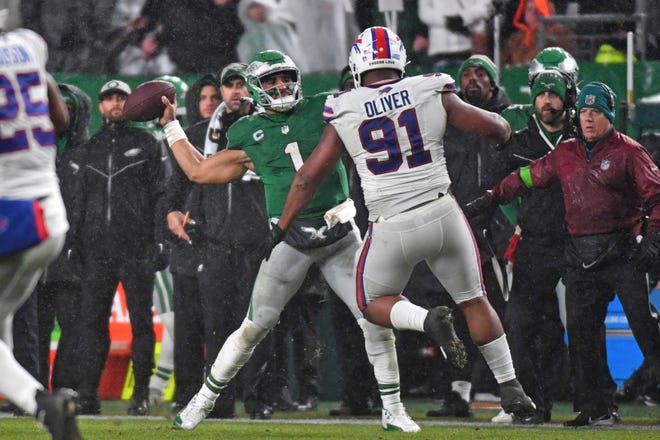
column 100, row 276
column 588, row 293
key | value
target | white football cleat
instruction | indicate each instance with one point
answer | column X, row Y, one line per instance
column 398, row 420
column 192, row 415
column 503, row 418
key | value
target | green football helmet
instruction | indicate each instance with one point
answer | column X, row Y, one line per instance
column 554, row 58
column 181, row 90
column 265, row 64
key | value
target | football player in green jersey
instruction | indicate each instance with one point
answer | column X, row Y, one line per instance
column 274, row 143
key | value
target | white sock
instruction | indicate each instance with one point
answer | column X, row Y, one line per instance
column 498, row 357
column 408, row 316
column 462, row 387
column 16, row 383
column 381, row 351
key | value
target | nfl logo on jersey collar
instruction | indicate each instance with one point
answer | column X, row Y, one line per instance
column 285, row 129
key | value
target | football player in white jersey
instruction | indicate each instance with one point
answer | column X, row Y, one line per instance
column 32, row 216
column 392, row 126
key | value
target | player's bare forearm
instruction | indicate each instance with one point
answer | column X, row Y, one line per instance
column 222, row 167
column 475, row 120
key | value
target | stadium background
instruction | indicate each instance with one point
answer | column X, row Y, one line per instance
column 623, row 353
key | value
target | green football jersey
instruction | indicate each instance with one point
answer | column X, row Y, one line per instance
column 517, row 115
column 278, row 144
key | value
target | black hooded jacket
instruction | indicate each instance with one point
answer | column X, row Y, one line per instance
column 541, row 211
column 70, row 157
column 192, row 99
column 122, row 189
column 229, row 215
column 473, row 166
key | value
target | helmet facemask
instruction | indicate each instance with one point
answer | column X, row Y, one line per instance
column 279, row 97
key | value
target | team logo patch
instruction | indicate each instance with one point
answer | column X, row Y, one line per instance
column 133, row 152
column 384, row 90
column 258, row 135
column 605, row 164
column 590, row 99
column 315, row 234
column 285, row 129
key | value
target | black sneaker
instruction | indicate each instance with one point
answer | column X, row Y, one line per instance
column 514, row 401
column 283, row 401
column 261, row 412
column 138, row 407
column 57, row 413
column 453, row 406
column 89, row 405
column 583, row 419
column 439, row 325
column 308, row 404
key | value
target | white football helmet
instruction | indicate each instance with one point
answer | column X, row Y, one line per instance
column 264, row 64
column 376, row 48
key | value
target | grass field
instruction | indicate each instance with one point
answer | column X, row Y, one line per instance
column 639, row 422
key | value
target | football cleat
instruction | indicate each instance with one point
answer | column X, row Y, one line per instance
column 192, row 415
column 57, row 413
column 516, row 402
column 398, row 420
column 503, row 418
column 439, row 325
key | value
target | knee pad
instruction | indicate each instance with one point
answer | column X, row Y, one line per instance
column 250, row 333
column 236, row 351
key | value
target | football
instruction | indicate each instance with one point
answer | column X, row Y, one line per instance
column 144, row 103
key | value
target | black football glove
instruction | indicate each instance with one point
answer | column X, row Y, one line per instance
column 482, row 206
column 276, row 235
column 649, row 251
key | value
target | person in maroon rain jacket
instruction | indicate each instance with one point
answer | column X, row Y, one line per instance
column 610, row 183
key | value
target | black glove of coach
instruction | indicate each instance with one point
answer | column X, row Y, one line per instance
column 483, row 205
column 275, row 236
column 456, row 24
column 649, row 251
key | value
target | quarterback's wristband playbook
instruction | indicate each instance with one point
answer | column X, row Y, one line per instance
column 174, row 132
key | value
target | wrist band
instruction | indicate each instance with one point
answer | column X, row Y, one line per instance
column 174, row 132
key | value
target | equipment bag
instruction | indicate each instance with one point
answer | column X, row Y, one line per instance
column 22, row 225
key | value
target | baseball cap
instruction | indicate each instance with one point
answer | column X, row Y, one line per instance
column 114, row 86
column 230, row 71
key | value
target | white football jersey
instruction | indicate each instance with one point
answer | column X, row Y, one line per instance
column 27, row 135
column 394, row 132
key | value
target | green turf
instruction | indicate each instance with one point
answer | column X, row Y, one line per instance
column 639, row 422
